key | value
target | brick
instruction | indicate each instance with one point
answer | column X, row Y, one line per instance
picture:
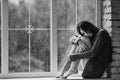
column 119, row 69
column 115, row 37
column 116, row 57
column 108, row 23
column 106, row 2
column 116, row 2
column 116, row 30
column 114, row 70
column 115, row 76
column 116, row 16
column 108, row 28
column 108, row 10
column 107, row 16
column 116, row 44
column 116, row 8
column 116, row 63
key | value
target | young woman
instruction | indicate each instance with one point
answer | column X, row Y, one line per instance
column 100, row 53
column 78, row 44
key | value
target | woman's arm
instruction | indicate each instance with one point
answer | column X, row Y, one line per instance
column 98, row 43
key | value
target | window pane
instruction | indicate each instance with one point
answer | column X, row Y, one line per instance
column 40, row 37
column 66, row 19
column 40, row 51
column 66, row 13
column 40, row 13
column 63, row 46
column 31, row 24
column 18, row 14
column 86, row 10
column 18, row 51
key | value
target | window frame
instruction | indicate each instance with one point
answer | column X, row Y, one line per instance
column 53, row 41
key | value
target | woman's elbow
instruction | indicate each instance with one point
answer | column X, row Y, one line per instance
column 92, row 53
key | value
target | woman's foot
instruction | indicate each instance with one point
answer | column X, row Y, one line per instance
column 70, row 72
column 59, row 76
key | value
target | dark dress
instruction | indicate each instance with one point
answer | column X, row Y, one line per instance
column 100, row 55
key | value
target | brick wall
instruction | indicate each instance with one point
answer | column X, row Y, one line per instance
column 111, row 22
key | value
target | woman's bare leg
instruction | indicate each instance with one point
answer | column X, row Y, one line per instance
column 65, row 68
column 73, row 68
column 68, row 62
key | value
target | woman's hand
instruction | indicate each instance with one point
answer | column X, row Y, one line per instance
column 74, row 39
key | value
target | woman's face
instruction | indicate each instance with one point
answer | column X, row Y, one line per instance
column 86, row 33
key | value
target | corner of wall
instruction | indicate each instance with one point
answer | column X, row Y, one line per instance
column 111, row 22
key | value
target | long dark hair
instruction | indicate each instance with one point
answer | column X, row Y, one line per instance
column 87, row 27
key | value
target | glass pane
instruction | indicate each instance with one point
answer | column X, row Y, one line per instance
column 66, row 13
column 63, row 46
column 40, row 14
column 40, row 51
column 86, row 10
column 28, row 15
column 18, row 14
column 18, row 51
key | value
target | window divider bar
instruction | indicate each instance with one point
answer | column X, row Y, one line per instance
column 33, row 29
column 76, row 12
column 4, row 36
column 29, row 38
column 99, row 13
column 53, row 43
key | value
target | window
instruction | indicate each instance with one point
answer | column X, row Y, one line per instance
column 36, row 34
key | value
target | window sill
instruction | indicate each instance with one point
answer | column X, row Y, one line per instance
column 53, row 79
